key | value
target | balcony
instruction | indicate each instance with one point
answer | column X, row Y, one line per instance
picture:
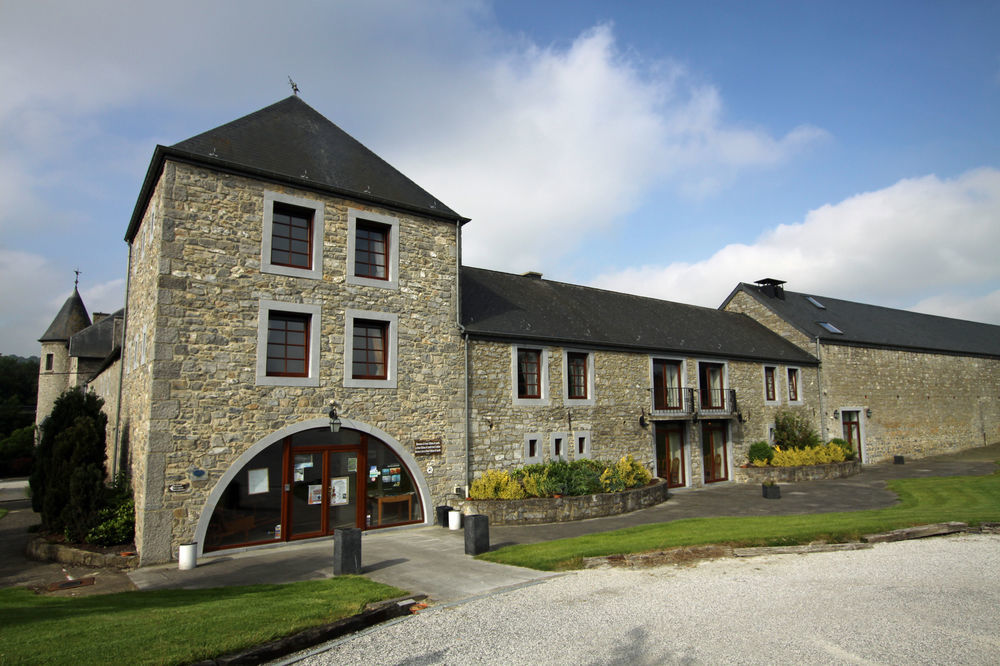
column 717, row 402
column 686, row 403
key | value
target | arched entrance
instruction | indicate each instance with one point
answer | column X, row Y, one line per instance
column 306, row 481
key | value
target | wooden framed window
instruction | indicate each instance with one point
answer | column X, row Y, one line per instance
column 291, row 236
column 370, row 349
column 793, row 384
column 712, row 391
column 371, row 250
column 770, row 390
column 667, row 385
column 529, row 383
column 287, row 344
column 576, row 376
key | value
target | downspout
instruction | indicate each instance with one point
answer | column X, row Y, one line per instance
column 819, row 382
column 121, row 368
column 466, row 432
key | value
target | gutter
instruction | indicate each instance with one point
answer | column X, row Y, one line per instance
column 819, row 384
column 121, row 368
column 467, row 432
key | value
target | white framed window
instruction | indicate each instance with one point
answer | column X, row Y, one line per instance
column 794, row 384
column 372, row 249
column 558, row 446
column 288, row 344
column 533, row 448
column 371, row 349
column 772, row 385
column 292, row 236
column 529, row 369
column 578, row 378
column 581, row 444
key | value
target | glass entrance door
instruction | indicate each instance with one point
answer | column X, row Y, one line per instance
column 851, row 420
column 670, row 453
column 714, row 454
column 323, row 493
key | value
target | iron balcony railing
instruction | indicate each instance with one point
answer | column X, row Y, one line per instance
column 688, row 402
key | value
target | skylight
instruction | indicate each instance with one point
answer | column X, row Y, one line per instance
column 815, row 302
column 830, row 327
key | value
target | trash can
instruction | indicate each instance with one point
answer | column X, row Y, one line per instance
column 477, row 534
column 442, row 514
column 455, row 520
column 187, row 557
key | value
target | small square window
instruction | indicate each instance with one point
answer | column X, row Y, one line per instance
column 372, row 249
column 369, row 358
column 288, row 344
column 532, row 448
column 49, row 361
column 292, row 236
column 581, row 445
column 557, row 446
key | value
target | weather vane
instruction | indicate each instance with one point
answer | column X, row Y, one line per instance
column 295, row 88
column 76, row 282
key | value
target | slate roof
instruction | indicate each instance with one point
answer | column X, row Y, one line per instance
column 100, row 339
column 71, row 319
column 290, row 142
column 876, row 326
column 531, row 309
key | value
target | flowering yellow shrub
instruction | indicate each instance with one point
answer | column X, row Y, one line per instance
column 626, row 473
column 494, row 484
column 813, row 455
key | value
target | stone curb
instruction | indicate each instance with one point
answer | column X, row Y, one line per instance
column 43, row 550
column 372, row 615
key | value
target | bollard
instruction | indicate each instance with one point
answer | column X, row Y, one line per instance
column 477, row 534
column 442, row 514
column 187, row 557
column 347, row 551
column 897, row 460
column 455, row 520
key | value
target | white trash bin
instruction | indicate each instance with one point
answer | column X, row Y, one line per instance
column 187, row 558
column 454, row 520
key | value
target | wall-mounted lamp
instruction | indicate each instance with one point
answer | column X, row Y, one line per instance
column 868, row 412
column 836, row 413
column 642, row 418
column 334, row 419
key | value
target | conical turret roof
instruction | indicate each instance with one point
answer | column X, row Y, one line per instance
column 72, row 318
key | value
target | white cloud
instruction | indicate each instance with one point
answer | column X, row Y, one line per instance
column 921, row 243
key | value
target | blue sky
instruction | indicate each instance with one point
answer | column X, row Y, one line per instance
column 664, row 148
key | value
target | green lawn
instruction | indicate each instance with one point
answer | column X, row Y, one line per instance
column 171, row 626
column 969, row 499
column 3, row 512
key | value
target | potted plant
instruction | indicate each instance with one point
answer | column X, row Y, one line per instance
column 771, row 490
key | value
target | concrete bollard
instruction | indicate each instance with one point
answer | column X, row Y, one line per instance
column 347, row 551
column 442, row 514
column 477, row 534
column 187, row 556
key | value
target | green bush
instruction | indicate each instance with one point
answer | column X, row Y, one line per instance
column 844, row 444
column 760, row 451
column 17, row 452
column 115, row 525
column 624, row 474
column 793, row 431
column 579, row 477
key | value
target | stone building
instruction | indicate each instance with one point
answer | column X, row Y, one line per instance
column 892, row 382
column 302, row 350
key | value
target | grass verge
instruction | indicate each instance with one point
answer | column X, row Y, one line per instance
column 968, row 499
column 171, row 626
column 3, row 512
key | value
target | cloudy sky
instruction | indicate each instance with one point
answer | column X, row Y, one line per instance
column 668, row 149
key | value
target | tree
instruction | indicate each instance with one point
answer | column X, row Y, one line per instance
column 67, row 483
column 18, row 392
column 793, row 431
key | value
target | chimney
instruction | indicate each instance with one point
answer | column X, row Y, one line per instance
column 772, row 288
column 535, row 275
column 98, row 316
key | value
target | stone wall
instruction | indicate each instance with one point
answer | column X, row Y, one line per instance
column 622, row 387
column 921, row 403
column 51, row 383
column 193, row 317
column 106, row 386
column 799, row 472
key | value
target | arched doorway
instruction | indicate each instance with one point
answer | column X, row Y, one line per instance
column 309, row 482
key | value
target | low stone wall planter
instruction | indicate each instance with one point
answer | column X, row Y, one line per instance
column 42, row 550
column 800, row 473
column 537, row 510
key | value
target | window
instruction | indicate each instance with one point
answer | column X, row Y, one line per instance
column 372, row 249
column 369, row 350
column 793, row 385
column 529, row 373
column 582, row 445
column 830, row 327
column 49, row 362
column 557, row 446
column 578, row 371
column 667, row 385
column 292, row 236
column 771, row 384
column 532, row 451
column 711, row 378
column 371, row 346
column 288, row 344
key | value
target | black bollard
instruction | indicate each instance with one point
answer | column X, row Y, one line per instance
column 898, row 460
column 347, row 551
column 442, row 514
column 477, row 534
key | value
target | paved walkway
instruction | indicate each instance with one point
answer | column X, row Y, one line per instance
column 431, row 560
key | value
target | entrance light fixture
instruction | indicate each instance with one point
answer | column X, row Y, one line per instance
column 334, row 419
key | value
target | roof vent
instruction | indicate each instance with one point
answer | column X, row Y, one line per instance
column 532, row 274
column 771, row 287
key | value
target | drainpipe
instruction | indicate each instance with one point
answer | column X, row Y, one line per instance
column 819, row 382
column 121, row 367
column 467, row 430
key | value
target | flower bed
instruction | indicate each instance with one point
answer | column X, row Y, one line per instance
column 835, row 470
column 536, row 510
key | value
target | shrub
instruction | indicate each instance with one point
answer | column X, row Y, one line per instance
column 624, row 474
column 814, row 455
column 844, row 444
column 760, row 452
column 17, row 452
column 793, row 431
column 492, row 484
column 115, row 525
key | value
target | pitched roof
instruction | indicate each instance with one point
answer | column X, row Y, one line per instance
column 503, row 305
column 71, row 319
column 873, row 325
column 100, row 339
column 292, row 143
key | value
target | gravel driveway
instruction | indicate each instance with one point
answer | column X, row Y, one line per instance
column 915, row 602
